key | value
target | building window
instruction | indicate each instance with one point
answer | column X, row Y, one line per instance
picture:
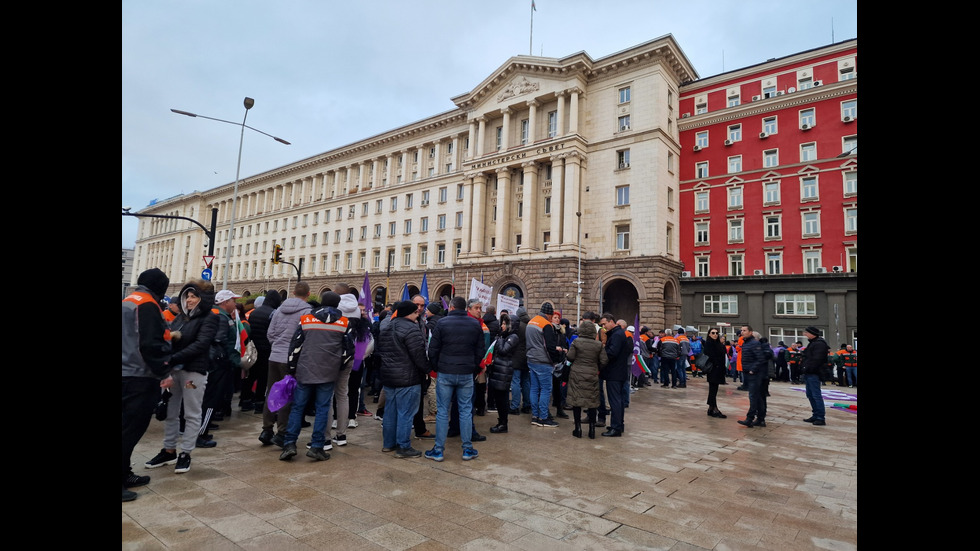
column 547, row 205
column 808, row 118
column 769, row 92
column 850, row 146
column 734, row 101
column 459, row 219
column 670, row 198
column 424, row 224
column 623, row 158
column 702, row 266
column 734, row 164
column 377, row 259
column 499, row 137
column 701, row 139
column 520, row 209
column 735, row 133
column 850, row 183
column 700, row 108
column 524, row 131
column 769, row 125
column 669, row 245
column 552, row 124
column 425, row 198
column 805, row 83
column 408, row 226
column 811, row 261
column 846, row 73
column 735, row 265
column 811, row 223
column 394, row 204
column 721, row 304
column 459, row 192
column 624, row 123
column 670, row 162
column 423, row 255
column 701, row 170
column 441, row 253
column 336, row 262
column 623, row 237
column 391, row 228
column 774, row 263
column 377, row 230
column 441, row 222
column 852, row 259
column 363, row 233
column 770, row 193
column 391, row 257
column 808, row 152
column 851, row 220
column 701, row 233
column 443, row 194
column 770, row 158
column 735, row 197
column 773, row 227
column 409, row 200
column 796, row 304
column 407, row 257
column 336, row 236
column 622, row 195
column 735, row 231
column 378, row 206
column 624, row 94
column 849, row 110
column 701, row 201
column 361, row 258
column 350, row 234
column 809, row 189
column 351, row 211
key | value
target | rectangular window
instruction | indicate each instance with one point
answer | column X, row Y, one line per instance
column 336, row 262
column 424, row 224
column 361, row 259
column 700, row 108
column 459, row 192
column 552, row 124
column 851, row 220
column 459, row 219
column 849, row 110
column 769, row 92
column 796, row 304
column 441, row 222
column 499, row 137
column 770, row 158
column 391, row 228
column 624, row 123
column 702, row 266
column 769, row 125
column 423, row 255
column 735, row 164
column 350, row 234
column 721, row 304
column 623, row 158
column 409, row 200
column 811, row 261
column 734, row 101
column 735, row 197
column 408, row 227
column 811, row 223
column 735, row 265
column 524, row 131
column 701, row 201
column 443, row 194
column 394, row 204
column 850, row 183
column 336, row 236
column 378, row 206
column 622, row 195
column 808, row 152
column 773, row 227
column 809, row 190
column 852, row 259
column 735, row 133
column 701, row 233
column 377, row 259
column 850, row 146
column 363, row 233
column 805, row 83
column 846, row 73
column 425, row 198
column 771, row 193
column 441, row 253
column 623, row 237
column 624, row 94
column 735, row 233
column 377, row 230
column 701, row 170
column 808, row 118
column 391, row 257
column 701, row 139
column 774, row 263
column 547, row 205
column 407, row 257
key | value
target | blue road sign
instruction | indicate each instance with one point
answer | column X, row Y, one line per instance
column 206, row 274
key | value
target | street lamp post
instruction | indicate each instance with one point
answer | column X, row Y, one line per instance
column 249, row 102
column 578, row 284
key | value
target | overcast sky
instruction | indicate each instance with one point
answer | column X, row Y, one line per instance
column 325, row 74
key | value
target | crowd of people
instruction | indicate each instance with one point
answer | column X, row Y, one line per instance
column 420, row 363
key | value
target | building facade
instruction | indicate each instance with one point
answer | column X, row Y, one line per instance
column 127, row 271
column 769, row 196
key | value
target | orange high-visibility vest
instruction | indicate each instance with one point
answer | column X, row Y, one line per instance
column 140, row 297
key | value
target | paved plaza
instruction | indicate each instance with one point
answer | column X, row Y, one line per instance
column 678, row 480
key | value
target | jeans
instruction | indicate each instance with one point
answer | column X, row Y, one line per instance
column 462, row 384
column 401, row 405
column 520, row 386
column 815, row 396
column 540, row 388
column 617, row 401
column 655, row 368
column 322, row 394
column 680, row 371
column 852, row 376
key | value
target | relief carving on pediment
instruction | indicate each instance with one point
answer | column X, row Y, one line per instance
column 518, row 88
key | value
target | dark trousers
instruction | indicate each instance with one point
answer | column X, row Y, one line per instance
column 712, row 396
column 139, row 398
column 353, row 391
column 757, row 397
column 501, row 397
column 215, row 394
column 418, row 421
column 667, row 375
column 617, row 403
column 479, row 397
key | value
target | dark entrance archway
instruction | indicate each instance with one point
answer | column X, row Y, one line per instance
column 621, row 299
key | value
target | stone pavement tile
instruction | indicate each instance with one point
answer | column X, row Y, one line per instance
column 303, row 523
column 498, row 529
column 135, row 537
column 393, row 537
column 453, row 512
column 274, row 540
column 332, row 541
column 586, row 522
column 449, row 533
column 486, row 544
column 354, row 520
column 191, row 530
column 536, row 541
column 241, row 527
column 392, row 510
column 216, row 543
column 585, row 506
column 546, row 525
column 638, row 539
column 322, row 505
column 207, row 512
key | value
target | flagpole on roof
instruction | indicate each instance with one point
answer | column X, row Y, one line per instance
column 530, row 42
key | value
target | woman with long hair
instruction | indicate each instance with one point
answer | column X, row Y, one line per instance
column 715, row 349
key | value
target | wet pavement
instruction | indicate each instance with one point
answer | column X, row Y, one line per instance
column 677, row 479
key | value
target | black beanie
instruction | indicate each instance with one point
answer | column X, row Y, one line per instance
column 155, row 280
column 330, row 299
column 547, row 309
column 405, row 308
column 434, row 308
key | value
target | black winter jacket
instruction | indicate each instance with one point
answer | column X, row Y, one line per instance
column 402, row 349
column 502, row 369
column 259, row 322
column 197, row 331
column 456, row 344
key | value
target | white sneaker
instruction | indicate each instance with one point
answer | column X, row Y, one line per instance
column 334, row 425
column 352, row 424
column 378, row 417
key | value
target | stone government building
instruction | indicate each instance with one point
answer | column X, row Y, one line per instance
column 549, row 168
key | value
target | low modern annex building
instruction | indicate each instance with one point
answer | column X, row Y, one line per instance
column 768, row 185
column 548, row 173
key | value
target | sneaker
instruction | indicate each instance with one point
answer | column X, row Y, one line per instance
column 535, row 421
column 128, row 495
column 819, row 422
column 434, row 455
column 386, row 450
column 318, row 454
column 407, row 452
column 477, row 437
column 203, row 442
column 134, row 480
column 340, row 439
column 352, row 424
column 279, row 439
column 183, row 463
column 326, row 447
column 161, row 459
column 334, row 424
column 288, row 451
column 548, row 423
column 364, row 412
column 266, row 437
column 377, row 417
column 526, row 409
column 470, row 453
column 492, row 409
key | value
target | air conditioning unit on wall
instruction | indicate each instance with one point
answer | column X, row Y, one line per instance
column 685, row 274
column 838, row 269
column 757, row 272
column 821, row 269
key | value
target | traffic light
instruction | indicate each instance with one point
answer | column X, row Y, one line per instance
column 277, row 254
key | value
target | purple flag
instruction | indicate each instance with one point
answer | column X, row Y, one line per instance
column 364, row 337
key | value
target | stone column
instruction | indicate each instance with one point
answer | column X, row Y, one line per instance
column 557, row 194
column 389, row 170
column 477, row 213
column 375, row 173
column 503, row 211
column 532, row 115
column 472, row 136
column 505, row 133
column 529, row 221
column 404, row 169
column 480, row 136
column 573, row 111
column 560, row 131
column 574, row 166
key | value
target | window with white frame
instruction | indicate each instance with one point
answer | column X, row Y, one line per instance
column 524, row 131
column 804, row 83
column 850, row 146
column 409, row 200
column 441, row 222
column 392, row 228
column 735, row 197
column 408, row 226
column 623, row 158
column 770, row 158
column 376, row 256
column 701, row 201
column 700, row 108
column 350, row 234
column 701, row 139
column 770, row 192
column 547, row 205
column 770, row 125
column 377, row 230
column 769, row 91
column 424, row 224
column 363, row 233
column 336, row 236
column 852, row 259
column 736, row 265
column 545, row 240
column 702, row 266
column 459, row 219
column 394, row 204
column 361, row 260
column 774, row 263
column 796, row 304
column 623, row 237
column 443, row 194
column 423, row 255
column 849, row 110
column 850, row 220
column 622, row 196
column 809, row 188
column 846, row 73
column 378, row 206
column 774, row 224
column 457, row 249
column 735, row 133
column 734, row 164
column 701, row 169
column 624, row 94
column 459, row 192
column 552, row 124
column 808, row 152
column 407, row 256
column 670, row 162
column 811, row 261
column 670, row 198
column 336, row 262
column 734, row 100
column 669, row 245
column 425, row 197
column 735, row 230
column 808, row 118
column 850, row 183
column 441, row 253
column 811, row 223
column 624, row 123
column 520, row 209
column 721, row 304
column 701, row 233
column 391, row 257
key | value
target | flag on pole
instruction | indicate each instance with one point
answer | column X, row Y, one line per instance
column 488, row 357
column 405, row 295
column 533, row 7
column 445, row 305
column 639, row 365
column 366, row 299
column 363, row 338
column 425, row 290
